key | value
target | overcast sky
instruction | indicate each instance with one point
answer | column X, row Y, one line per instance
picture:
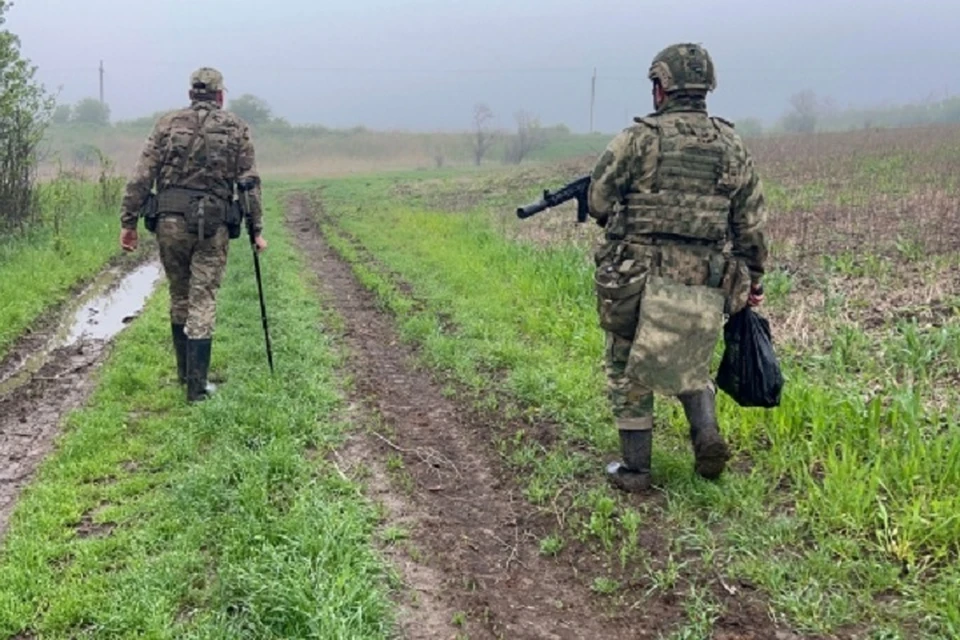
column 422, row 64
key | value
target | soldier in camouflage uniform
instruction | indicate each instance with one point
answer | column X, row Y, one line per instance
column 194, row 158
column 682, row 208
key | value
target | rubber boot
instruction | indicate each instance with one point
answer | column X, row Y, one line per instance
column 198, row 364
column 633, row 474
column 709, row 449
column 180, row 347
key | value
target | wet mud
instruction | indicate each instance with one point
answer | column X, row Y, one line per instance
column 49, row 372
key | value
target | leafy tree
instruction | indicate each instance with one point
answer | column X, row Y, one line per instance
column 252, row 109
column 25, row 111
column 62, row 114
column 91, row 111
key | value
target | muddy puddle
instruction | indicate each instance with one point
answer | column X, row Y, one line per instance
column 50, row 372
column 99, row 313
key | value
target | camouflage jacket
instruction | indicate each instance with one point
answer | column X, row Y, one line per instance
column 682, row 175
column 214, row 160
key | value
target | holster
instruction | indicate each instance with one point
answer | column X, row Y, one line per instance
column 235, row 219
column 149, row 212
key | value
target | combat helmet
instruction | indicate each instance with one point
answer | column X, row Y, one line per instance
column 684, row 67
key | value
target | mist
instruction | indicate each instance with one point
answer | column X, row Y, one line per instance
column 423, row 64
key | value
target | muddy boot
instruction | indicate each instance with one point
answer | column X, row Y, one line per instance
column 633, row 474
column 198, row 364
column 180, row 347
column 709, row 449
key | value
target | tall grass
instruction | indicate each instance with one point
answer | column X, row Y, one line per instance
column 77, row 234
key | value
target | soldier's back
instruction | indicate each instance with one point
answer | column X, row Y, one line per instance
column 200, row 146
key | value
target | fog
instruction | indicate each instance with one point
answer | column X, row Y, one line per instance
column 423, row 64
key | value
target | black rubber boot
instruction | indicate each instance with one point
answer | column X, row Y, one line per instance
column 180, row 347
column 633, row 474
column 709, row 449
column 198, row 364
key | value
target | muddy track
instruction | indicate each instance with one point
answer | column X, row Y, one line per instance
column 477, row 537
column 50, row 371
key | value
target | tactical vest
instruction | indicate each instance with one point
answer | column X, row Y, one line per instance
column 691, row 191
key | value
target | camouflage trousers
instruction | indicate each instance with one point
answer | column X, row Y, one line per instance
column 632, row 403
column 194, row 269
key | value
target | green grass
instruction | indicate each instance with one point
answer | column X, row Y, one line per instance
column 39, row 269
column 849, row 513
column 222, row 520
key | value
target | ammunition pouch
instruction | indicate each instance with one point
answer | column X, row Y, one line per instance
column 149, row 213
column 203, row 212
column 619, row 289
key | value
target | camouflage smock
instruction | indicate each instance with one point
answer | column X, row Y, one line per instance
column 214, row 160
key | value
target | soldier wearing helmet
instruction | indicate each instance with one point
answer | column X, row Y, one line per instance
column 194, row 158
column 682, row 208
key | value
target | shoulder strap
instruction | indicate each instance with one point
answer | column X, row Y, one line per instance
column 193, row 139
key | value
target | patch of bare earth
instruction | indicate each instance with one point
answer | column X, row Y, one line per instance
column 31, row 411
column 473, row 543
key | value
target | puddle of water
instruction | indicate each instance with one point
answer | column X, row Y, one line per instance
column 100, row 312
column 106, row 315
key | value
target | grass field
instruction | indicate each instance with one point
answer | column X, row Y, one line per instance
column 40, row 268
column 842, row 508
column 158, row 519
column 152, row 518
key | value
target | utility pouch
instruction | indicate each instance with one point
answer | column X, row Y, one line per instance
column 678, row 330
column 204, row 215
column 235, row 219
column 149, row 213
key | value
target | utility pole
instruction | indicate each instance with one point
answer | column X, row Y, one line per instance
column 593, row 96
column 101, row 82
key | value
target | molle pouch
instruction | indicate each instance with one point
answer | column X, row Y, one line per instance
column 677, row 333
column 234, row 219
column 205, row 215
column 618, row 297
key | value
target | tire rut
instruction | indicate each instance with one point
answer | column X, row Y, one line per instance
column 474, row 527
column 31, row 411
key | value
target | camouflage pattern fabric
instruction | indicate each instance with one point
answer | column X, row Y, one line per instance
column 679, row 326
column 207, row 79
column 214, row 160
column 194, row 269
column 631, row 402
column 682, row 206
column 684, row 67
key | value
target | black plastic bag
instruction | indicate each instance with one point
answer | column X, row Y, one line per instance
column 749, row 372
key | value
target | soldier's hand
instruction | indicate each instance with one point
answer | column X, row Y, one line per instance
column 755, row 299
column 261, row 243
column 128, row 239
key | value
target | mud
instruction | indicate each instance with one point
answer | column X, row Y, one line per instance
column 49, row 373
column 474, row 540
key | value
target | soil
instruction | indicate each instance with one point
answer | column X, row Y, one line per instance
column 32, row 408
column 473, row 546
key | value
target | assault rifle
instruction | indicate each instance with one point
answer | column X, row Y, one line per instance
column 245, row 186
column 576, row 189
